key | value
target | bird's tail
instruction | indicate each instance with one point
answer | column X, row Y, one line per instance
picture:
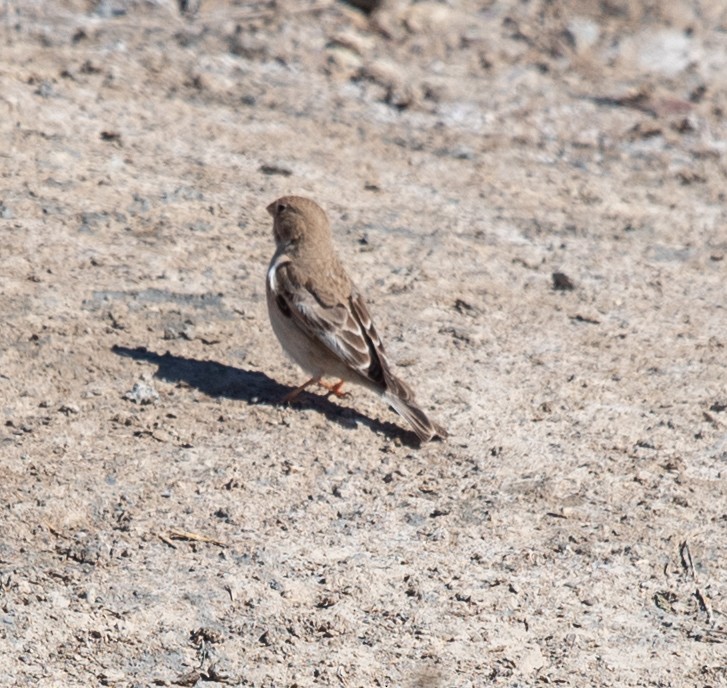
column 401, row 398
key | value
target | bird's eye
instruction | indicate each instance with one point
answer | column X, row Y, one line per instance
column 281, row 207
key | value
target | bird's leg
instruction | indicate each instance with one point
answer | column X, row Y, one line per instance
column 335, row 388
column 290, row 396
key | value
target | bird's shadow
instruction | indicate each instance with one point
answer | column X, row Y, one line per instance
column 253, row 387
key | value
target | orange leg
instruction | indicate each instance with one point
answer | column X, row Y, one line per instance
column 335, row 389
column 292, row 395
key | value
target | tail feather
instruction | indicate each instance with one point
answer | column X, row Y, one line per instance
column 425, row 428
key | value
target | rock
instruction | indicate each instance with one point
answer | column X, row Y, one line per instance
column 142, row 393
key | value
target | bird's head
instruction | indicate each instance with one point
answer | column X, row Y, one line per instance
column 297, row 219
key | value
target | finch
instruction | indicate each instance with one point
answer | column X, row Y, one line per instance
column 320, row 317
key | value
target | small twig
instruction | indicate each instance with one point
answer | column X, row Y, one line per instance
column 686, row 558
column 341, row 676
column 193, row 537
column 704, row 605
column 688, row 566
column 55, row 531
column 166, row 540
column 274, row 9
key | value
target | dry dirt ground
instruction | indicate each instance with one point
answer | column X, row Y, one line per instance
column 166, row 522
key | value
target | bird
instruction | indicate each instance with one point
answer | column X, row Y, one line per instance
column 320, row 317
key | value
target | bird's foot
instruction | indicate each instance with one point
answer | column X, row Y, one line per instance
column 335, row 388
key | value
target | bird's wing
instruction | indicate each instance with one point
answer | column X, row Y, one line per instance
column 344, row 328
column 379, row 367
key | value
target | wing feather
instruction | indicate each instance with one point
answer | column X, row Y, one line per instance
column 345, row 329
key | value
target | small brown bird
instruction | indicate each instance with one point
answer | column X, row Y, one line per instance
column 321, row 319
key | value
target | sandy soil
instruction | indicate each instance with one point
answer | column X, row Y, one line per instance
column 166, row 522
